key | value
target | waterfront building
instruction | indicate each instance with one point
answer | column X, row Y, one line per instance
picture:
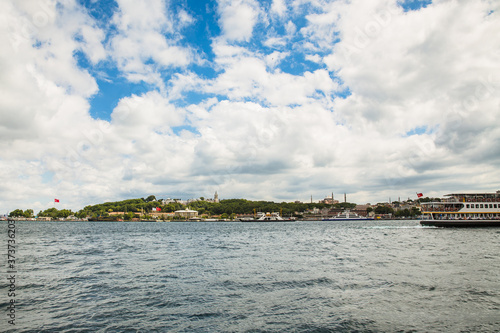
column 363, row 207
column 186, row 213
column 162, row 215
column 116, row 213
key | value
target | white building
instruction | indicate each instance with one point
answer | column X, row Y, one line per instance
column 186, row 213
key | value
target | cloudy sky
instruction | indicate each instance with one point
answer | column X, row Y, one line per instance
column 265, row 100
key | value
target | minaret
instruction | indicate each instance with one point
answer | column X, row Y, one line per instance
column 216, row 197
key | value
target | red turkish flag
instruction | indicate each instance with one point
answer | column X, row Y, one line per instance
column 56, row 200
column 420, row 195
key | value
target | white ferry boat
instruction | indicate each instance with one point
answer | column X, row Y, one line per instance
column 268, row 217
column 463, row 210
column 348, row 216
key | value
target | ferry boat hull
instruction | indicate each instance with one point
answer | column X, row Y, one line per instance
column 461, row 223
column 349, row 219
column 258, row 220
column 268, row 217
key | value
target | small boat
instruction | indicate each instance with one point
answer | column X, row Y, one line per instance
column 347, row 215
column 268, row 217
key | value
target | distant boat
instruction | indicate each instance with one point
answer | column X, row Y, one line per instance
column 347, row 215
column 268, row 217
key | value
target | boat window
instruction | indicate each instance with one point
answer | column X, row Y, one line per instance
column 481, row 206
column 477, row 205
column 495, row 206
column 468, row 205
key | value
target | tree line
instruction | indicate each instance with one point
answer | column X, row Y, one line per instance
column 229, row 207
column 133, row 207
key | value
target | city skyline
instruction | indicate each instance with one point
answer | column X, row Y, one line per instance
column 327, row 199
column 265, row 100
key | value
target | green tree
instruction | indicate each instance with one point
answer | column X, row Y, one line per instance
column 383, row 210
column 81, row 214
column 28, row 213
column 344, row 205
column 51, row 212
column 129, row 216
column 16, row 213
column 402, row 213
column 64, row 213
column 415, row 211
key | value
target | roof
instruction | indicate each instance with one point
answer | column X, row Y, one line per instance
column 476, row 194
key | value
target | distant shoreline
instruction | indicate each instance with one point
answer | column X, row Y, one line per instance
column 206, row 221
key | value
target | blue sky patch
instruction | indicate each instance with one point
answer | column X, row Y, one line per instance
column 409, row 5
column 111, row 90
column 417, row 131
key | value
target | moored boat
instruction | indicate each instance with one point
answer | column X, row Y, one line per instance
column 348, row 216
column 463, row 210
column 268, row 217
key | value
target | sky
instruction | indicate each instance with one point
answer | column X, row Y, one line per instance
column 275, row 100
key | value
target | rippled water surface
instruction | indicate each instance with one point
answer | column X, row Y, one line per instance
column 389, row 276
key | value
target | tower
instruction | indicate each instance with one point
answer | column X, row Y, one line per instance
column 216, row 197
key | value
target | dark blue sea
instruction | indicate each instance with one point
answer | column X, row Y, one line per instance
column 383, row 276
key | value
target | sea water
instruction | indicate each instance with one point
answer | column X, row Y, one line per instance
column 380, row 276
